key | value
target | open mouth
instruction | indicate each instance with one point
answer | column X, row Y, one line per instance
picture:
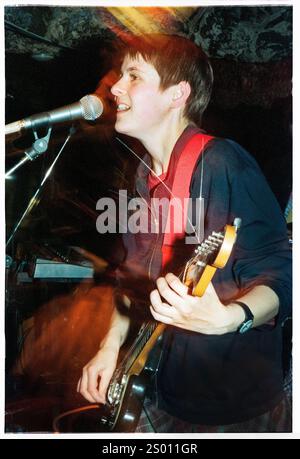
column 122, row 108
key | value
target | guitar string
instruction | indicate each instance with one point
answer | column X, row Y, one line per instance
column 136, row 347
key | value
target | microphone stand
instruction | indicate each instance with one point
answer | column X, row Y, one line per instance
column 39, row 147
column 33, row 200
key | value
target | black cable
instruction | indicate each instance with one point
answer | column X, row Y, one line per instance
column 14, row 28
column 149, row 418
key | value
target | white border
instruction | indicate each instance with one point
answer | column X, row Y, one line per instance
column 296, row 167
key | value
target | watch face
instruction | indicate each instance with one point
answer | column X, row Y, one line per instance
column 246, row 326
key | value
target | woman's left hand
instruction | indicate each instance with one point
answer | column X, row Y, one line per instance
column 172, row 304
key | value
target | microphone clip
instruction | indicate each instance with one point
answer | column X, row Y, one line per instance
column 39, row 146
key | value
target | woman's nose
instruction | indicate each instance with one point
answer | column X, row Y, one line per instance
column 117, row 90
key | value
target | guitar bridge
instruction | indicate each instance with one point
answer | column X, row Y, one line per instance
column 115, row 391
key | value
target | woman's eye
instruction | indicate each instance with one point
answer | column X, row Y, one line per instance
column 133, row 76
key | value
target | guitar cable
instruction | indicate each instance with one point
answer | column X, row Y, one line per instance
column 55, row 423
column 68, row 413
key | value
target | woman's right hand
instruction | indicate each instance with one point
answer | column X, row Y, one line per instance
column 96, row 375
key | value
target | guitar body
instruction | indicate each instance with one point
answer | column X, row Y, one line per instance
column 132, row 404
column 126, row 413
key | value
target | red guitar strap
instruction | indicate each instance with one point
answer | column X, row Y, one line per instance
column 181, row 191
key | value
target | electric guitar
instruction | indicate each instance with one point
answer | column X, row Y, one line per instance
column 129, row 382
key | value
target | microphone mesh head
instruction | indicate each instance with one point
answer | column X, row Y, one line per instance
column 92, row 107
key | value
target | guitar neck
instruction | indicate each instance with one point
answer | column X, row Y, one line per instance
column 140, row 361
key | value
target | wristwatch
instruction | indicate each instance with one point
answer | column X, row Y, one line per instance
column 249, row 317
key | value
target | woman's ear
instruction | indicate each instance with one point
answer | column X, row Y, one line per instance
column 180, row 93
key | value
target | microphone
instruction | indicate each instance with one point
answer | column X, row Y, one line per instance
column 90, row 107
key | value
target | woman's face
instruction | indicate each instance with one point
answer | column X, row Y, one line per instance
column 141, row 105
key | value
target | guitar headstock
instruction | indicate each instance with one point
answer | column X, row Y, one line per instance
column 211, row 254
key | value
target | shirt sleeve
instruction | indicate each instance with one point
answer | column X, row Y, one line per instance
column 234, row 186
column 263, row 254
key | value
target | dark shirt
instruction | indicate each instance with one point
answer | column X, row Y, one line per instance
column 225, row 379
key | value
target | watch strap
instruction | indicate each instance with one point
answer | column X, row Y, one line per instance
column 249, row 317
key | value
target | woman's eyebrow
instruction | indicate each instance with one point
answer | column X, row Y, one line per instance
column 133, row 68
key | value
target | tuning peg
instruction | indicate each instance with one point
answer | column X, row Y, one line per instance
column 200, row 263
